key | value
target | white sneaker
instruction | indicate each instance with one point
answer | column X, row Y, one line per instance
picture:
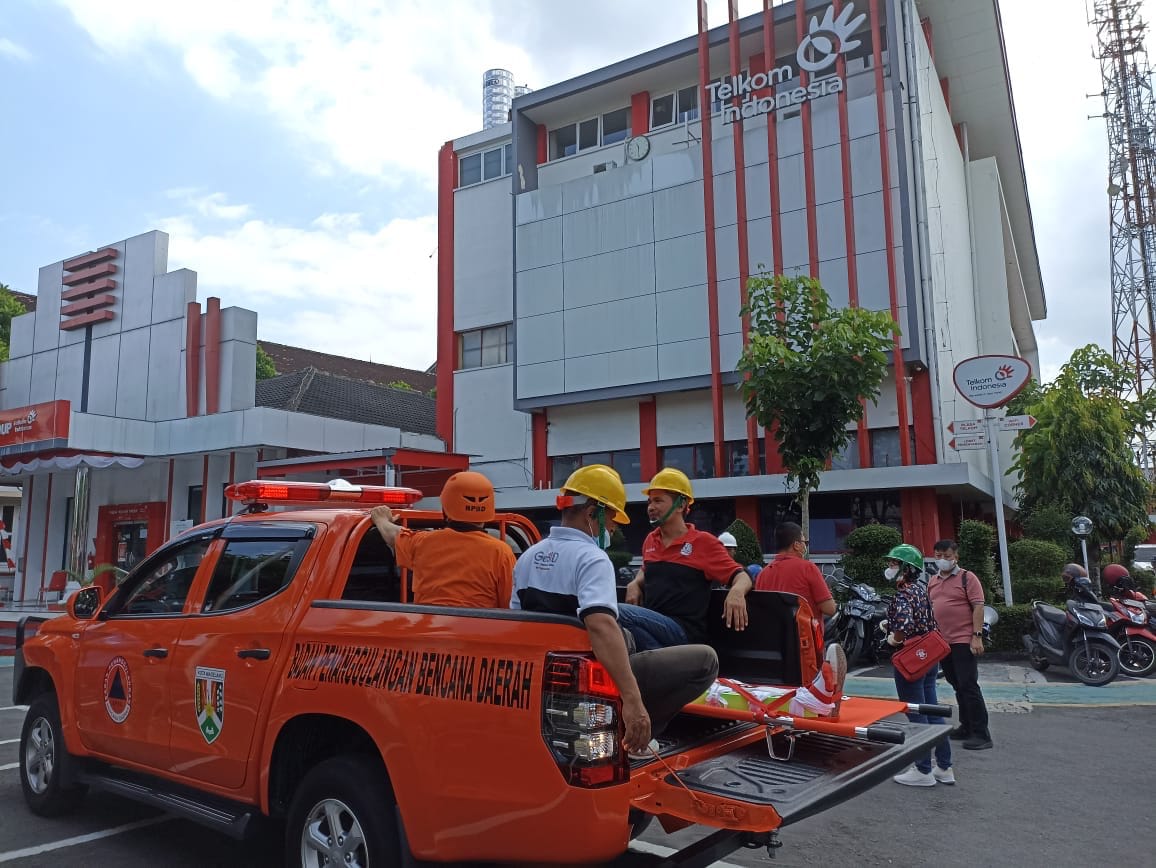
column 647, row 752
column 944, row 776
column 913, row 777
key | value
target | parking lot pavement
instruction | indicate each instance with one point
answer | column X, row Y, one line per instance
column 1012, row 805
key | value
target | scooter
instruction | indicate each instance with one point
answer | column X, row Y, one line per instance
column 1128, row 622
column 856, row 619
column 1076, row 637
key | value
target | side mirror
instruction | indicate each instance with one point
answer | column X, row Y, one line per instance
column 84, row 603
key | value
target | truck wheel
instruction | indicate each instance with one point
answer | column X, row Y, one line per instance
column 343, row 815
column 45, row 763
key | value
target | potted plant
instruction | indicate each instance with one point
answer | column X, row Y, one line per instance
column 76, row 581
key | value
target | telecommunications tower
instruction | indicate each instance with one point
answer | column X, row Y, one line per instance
column 1130, row 112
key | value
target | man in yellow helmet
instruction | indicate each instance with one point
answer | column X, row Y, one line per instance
column 679, row 566
column 569, row 573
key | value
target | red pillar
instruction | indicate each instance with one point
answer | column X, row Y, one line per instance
column 538, row 434
column 193, row 359
column 920, row 510
column 923, row 418
column 648, row 438
column 640, row 113
column 213, row 356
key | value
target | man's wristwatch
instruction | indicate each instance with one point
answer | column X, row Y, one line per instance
column 978, row 635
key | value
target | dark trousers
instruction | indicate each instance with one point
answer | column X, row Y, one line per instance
column 962, row 674
column 669, row 678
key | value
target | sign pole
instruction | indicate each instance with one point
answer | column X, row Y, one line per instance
column 1084, row 549
column 1001, row 530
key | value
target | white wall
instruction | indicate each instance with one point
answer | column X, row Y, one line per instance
column 601, row 427
column 483, row 255
column 487, row 426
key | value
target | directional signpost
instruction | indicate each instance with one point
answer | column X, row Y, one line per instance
column 989, row 382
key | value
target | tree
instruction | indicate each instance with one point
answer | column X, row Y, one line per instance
column 749, row 551
column 809, row 369
column 1079, row 456
column 265, row 367
column 401, row 384
column 10, row 306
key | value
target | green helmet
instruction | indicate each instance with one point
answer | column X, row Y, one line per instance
column 907, row 554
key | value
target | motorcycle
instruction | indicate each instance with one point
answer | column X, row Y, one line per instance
column 1128, row 622
column 856, row 620
column 1076, row 637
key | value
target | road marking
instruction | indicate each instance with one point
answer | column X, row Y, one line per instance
column 9, row 766
column 14, row 708
column 13, row 855
column 659, row 850
column 9, row 741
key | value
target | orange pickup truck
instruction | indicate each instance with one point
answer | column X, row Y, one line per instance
column 270, row 666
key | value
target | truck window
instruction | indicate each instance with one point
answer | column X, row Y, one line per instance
column 251, row 570
column 373, row 576
column 163, row 586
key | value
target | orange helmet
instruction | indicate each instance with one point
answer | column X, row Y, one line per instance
column 468, row 497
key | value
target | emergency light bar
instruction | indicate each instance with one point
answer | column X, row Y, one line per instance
column 335, row 491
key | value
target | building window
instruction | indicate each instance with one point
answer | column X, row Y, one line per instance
column 885, row 447
column 485, row 165
column 585, row 135
column 677, row 107
column 848, row 456
column 193, row 504
column 696, row 461
column 627, row 462
column 483, row 348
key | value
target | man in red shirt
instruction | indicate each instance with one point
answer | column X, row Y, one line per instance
column 679, row 565
column 793, row 573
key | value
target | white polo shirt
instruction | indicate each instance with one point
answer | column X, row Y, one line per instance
column 565, row 574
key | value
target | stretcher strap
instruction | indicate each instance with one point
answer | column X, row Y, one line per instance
column 761, row 710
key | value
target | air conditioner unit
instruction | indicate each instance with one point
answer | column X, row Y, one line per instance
column 602, row 167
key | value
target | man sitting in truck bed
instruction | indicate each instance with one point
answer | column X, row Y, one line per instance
column 569, row 573
column 459, row 565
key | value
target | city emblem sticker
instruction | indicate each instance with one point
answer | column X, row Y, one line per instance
column 118, row 690
column 687, row 548
column 209, row 688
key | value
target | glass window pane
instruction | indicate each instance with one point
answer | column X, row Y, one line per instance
column 493, row 336
column 163, row 587
column 596, row 458
column 737, row 458
column 250, row 571
column 508, row 156
column 628, row 463
column 492, row 164
column 680, row 458
column 563, row 141
column 469, row 170
column 588, row 134
column 848, row 457
column 471, row 340
column 688, row 104
column 703, row 461
column 662, row 111
column 563, row 466
column 615, row 126
column 471, row 358
column 885, row 447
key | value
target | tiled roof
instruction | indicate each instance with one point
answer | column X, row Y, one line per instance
column 287, row 359
column 322, row 394
column 29, row 301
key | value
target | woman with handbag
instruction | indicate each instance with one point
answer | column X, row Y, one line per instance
column 913, row 633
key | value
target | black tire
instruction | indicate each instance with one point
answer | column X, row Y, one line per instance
column 852, row 647
column 1094, row 663
column 351, row 793
column 46, row 766
column 1137, row 657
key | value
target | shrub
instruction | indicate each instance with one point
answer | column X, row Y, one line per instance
column 749, row 551
column 1132, row 539
column 1047, row 588
column 1050, row 523
column 1014, row 622
column 1145, row 579
column 867, row 547
column 619, row 555
column 976, row 540
column 1035, row 559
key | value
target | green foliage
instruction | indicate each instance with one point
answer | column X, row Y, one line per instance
column 619, row 554
column 401, row 384
column 432, row 393
column 1079, row 456
column 1132, row 539
column 976, row 541
column 1035, row 559
column 1144, row 579
column 1014, row 622
column 867, row 547
column 10, row 306
column 809, row 367
column 1050, row 522
column 749, row 551
column 266, row 370
column 1048, row 589
column 86, row 579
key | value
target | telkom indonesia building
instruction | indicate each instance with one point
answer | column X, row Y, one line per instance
column 593, row 250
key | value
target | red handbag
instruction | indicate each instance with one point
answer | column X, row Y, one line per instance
column 918, row 655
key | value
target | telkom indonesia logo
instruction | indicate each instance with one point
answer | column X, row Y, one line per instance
column 1004, row 372
column 826, row 39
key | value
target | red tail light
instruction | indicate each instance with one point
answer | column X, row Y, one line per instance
column 581, row 721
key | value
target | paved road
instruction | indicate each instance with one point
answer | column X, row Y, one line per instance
column 1061, row 777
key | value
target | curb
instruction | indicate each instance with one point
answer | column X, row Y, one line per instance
column 1021, row 697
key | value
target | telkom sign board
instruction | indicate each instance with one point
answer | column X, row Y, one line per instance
column 991, row 381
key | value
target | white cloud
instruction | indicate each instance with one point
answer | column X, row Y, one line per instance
column 335, row 285
column 14, row 51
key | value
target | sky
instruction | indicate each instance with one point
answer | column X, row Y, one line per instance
column 289, row 147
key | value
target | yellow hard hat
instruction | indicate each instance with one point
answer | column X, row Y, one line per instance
column 670, row 479
column 601, row 483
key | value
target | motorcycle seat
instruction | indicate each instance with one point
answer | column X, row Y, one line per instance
column 1051, row 613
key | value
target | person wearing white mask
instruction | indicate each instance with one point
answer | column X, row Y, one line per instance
column 957, row 599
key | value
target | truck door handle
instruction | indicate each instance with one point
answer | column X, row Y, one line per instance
column 253, row 653
column 156, row 652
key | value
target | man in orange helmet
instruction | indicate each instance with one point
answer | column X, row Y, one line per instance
column 460, row 564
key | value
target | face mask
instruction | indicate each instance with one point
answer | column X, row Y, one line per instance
column 890, row 573
column 602, row 539
column 944, row 564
